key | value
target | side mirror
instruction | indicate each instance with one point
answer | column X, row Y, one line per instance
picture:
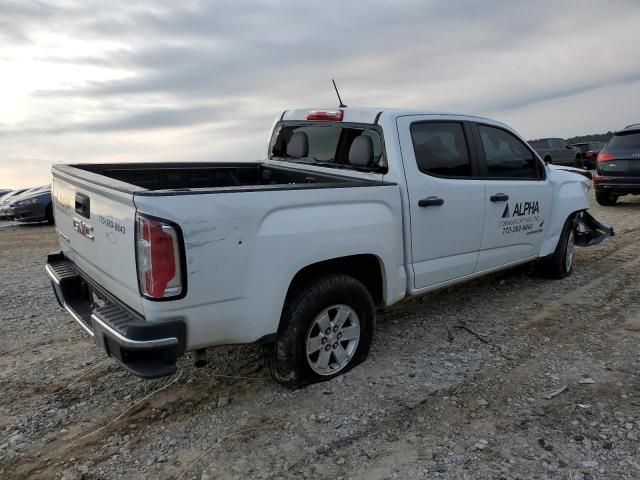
column 570, row 147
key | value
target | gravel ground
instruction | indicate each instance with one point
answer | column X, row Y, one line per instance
column 432, row 401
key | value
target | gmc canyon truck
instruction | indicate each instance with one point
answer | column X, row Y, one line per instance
column 351, row 209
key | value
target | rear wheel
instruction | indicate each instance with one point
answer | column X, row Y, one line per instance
column 560, row 263
column 578, row 163
column 325, row 330
column 49, row 215
column 547, row 160
column 606, row 199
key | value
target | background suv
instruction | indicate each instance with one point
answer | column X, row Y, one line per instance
column 588, row 153
column 556, row 151
column 618, row 166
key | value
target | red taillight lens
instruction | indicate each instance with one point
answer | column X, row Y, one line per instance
column 158, row 260
column 605, row 157
column 333, row 115
column 589, row 154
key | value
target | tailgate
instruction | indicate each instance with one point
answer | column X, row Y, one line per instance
column 95, row 225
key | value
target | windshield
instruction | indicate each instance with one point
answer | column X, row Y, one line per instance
column 329, row 144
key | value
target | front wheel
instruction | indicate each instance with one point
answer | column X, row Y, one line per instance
column 606, row 199
column 325, row 330
column 560, row 263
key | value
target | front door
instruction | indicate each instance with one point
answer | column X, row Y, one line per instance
column 446, row 200
column 518, row 198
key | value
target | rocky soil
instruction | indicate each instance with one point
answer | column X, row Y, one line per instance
column 548, row 388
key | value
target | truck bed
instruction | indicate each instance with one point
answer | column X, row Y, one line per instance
column 246, row 230
column 184, row 177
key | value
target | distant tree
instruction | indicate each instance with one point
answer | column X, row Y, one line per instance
column 594, row 137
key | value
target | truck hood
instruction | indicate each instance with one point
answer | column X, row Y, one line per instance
column 585, row 174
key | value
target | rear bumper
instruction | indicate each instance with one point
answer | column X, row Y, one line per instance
column 146, row 349
column 617, row 185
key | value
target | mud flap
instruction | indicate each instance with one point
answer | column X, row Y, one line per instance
column 589, row 231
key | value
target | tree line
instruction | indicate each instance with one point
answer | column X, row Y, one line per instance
column 594, row 137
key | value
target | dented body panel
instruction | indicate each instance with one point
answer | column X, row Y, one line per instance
column 243, row 254
column 569, row 191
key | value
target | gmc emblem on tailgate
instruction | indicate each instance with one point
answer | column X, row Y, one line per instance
column 83, row 229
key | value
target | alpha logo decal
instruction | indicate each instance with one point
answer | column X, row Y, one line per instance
column 521, row 209
column 505, row 214
column 521, row 219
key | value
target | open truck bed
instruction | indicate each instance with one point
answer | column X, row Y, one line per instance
column 175, row 178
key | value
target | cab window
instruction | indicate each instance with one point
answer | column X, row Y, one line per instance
column 506, row 156
column 440, row 149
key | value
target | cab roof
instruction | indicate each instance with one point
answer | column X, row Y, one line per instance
column 373, row 114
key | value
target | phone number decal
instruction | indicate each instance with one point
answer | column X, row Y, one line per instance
column 107, row 222
column 517, row 228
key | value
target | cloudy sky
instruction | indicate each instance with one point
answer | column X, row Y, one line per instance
column 94, row 81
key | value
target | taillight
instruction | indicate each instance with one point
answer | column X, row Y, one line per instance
column 158, row 259
column 589, row 154
column 605, row 157
column 333, row 115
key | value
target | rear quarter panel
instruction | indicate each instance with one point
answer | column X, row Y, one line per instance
column 244, row 248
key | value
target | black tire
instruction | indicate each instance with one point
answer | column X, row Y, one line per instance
column 606, row 199
column 556, row 265
column 578, row 163
column 287, row 355
column 49, row 215
column 548, row 161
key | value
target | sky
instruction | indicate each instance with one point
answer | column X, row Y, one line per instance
column 124, row 81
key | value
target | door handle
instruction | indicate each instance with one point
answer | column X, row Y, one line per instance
column 430, row 202
column 499, row 197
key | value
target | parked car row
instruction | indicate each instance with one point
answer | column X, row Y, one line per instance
column 617, row 163
column 27, row 205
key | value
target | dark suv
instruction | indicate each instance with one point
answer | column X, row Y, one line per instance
column 618, row 166
column 588, row 153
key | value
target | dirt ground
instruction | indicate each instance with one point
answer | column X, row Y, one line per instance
column 432, row 401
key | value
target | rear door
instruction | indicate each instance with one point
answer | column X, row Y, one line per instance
column 446, row 200
column 518, row 197
column 95, row 226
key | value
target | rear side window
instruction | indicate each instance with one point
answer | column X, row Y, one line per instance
column 441, row 149
column 625, row 140
column 506, row 156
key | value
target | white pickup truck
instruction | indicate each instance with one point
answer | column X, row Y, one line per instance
column 351, row 208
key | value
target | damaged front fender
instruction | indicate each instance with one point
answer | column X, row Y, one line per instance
column 590, row 231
